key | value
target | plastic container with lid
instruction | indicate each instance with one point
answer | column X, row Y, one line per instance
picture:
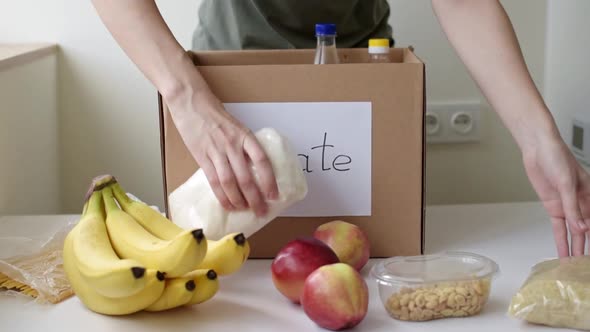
column 427, row 287
column 379, row 50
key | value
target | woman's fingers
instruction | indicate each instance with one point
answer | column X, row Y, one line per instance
column 227, row 179
column 263, row 166
column 560, row 235
column 247, row 183
column 573, row 216
column 571, row 207
column 211, row 174
column 578, row 243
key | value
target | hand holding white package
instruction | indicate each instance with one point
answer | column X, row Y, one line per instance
column 194, row 205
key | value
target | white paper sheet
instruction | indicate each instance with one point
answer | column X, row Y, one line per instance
column 333, row 142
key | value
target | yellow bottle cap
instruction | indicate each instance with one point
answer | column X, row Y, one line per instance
column 379, row 42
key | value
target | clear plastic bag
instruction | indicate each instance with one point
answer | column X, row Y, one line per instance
column 556, row 294
column 31, row 264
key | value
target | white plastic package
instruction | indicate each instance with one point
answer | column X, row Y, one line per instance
column 194, row 205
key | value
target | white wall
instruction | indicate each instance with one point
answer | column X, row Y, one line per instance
column 30, row 20
column 29, row 164
column 472, row 172
column 568, row 55
column 414, row 24
column 108, row 111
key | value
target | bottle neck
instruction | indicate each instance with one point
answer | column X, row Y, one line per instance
column 326, row 52
column 326, row 40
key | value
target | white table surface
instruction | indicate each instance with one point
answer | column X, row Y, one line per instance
column 516, row 235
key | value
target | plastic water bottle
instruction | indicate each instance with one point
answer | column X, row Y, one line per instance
column 326, row 52
column 379, row 50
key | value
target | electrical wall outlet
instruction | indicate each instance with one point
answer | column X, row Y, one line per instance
column 453, row 122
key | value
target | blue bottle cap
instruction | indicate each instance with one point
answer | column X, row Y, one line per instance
column 324, row 29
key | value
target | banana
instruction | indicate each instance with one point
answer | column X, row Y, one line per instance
column 96, row 260
column 97, row 184
column 178, row 292
column 226, row 255
column 206, row 283
column 130, row 240
column 154, row 286
column 155, row 223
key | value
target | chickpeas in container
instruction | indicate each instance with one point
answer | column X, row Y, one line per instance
column 427, row 287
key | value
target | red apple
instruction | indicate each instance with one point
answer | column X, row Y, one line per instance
column 335, row 297
column 348, row 241
column 295, row 261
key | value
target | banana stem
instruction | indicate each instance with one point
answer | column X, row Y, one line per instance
column 109, row 200
column 120, row 194
column 85, row 208
column 97, row 184
column 94, row 205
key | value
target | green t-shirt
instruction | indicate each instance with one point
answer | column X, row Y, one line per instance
column 280, row 24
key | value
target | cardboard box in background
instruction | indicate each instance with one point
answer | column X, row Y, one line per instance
column 397, row 94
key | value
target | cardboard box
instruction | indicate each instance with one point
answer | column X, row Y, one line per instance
column 397, row 94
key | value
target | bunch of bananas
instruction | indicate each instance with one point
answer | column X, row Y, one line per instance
column 123, row 256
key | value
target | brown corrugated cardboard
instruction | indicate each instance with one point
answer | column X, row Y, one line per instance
column 397, row 93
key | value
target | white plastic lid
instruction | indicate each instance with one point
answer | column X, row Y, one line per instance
column 448, row 266
column 378, row 50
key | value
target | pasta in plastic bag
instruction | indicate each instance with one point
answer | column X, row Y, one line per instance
column 556, row 294
column 32, row 266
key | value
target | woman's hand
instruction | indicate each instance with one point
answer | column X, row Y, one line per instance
column 220, row 145
column 225, row 150
column 564, row 188
column 481, row 33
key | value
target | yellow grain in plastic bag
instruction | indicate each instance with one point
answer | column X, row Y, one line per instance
column 556, row 294
column 31, row 259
